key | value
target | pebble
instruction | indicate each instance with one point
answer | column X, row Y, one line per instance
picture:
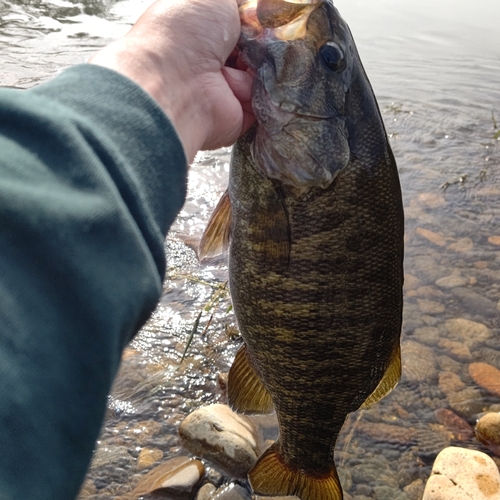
column 419, row 362
column 488, row 355
column 462, row 474
column 431, row 441
column 451, row 281
column 411, row 282
column 415, row 490
column 450, row 383
column 474, row 302
column 217, row 433
column 205, row 492
column 494, row 240
column 471, row 333
column 468, row 401
column 488, row 429
column 431, row 236
column 432, row 200
column 430, row 306
column 148, row 457
column 427, row 269
column 447, row 364
column 116, row 455
column 463, row 245
column 177, row 477
column 458, row 426
column 486, row 376
column 456, row 350
column 386, row 433
column 232, row 491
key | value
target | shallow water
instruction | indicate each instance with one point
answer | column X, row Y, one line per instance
column 435, row 68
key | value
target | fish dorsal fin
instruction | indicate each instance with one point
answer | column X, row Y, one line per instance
column 246, row 392
column 389, row 380
column 273, row 477
column 215, row 239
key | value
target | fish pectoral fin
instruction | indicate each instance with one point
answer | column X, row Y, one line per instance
column 215, row 239
column 271, row 476
column 388, row 382
column 246, row 392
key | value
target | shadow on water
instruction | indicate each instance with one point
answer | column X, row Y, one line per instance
column 437, row 84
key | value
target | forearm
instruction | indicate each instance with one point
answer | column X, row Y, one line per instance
column 90, row 181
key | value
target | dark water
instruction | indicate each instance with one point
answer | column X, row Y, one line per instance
column 435, row 67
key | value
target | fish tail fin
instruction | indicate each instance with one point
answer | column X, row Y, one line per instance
column 272, row 477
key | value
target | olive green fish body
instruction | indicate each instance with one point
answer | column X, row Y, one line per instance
column 316, row 254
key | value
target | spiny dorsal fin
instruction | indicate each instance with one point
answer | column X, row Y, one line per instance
column 245, row 389
column 215, row 239
column 389, row 380
column 273, row 477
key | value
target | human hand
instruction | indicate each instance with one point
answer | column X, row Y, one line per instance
column 177, row 52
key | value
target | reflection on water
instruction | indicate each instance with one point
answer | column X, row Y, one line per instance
column 435, row 67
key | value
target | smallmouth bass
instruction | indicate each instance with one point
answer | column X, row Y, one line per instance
column 314, row 214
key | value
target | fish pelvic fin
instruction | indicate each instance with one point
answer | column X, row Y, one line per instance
column 215, row 239
column 271, row 476
column 388, row 382
column 246, row 392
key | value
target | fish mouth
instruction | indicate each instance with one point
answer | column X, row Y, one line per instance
column 279, row 19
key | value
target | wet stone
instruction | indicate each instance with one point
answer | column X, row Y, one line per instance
column 488, row 355
column 415, row 490
column 216, row 433
column 411, row 282
column 430, row 306
column 463, row 245
column 494, row 240
column 458, row 426
column 451, row 281
column 148, row 457
column 486, row 376
column 427, row 269
column 435, row 238
column 450, row 382
column 386, row 433
column 488, row 429
column 474, row 302
column 428, row 335
column 471, row 333
column 462, row 474
column 205, row 492
column 448, row 364
column 117, row 456
column 467, row 402
column 430, row 442
column 419, row 362
column 232, row 492
column 177, row 477
column 456, row 350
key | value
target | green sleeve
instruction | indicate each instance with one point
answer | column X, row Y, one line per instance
column 92, row 174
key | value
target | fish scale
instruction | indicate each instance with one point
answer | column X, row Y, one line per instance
column 315, row 263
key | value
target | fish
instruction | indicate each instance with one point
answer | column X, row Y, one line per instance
column 313, row 218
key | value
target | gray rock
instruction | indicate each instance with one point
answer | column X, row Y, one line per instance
column 488, row 355
column 428, row 335
column 419, row 362
column 474, row 303
column 461, row 474
column 231, row 491
column 468, row 401
column 451, row 281
column 448, row 365
column 217, row 433
column 471, row 333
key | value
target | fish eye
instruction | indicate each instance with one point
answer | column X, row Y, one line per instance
column 332, row 56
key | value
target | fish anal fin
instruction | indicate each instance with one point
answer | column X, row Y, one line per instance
column 246, row 392
column 388, row 382
column 215, row 239
column 271, row 476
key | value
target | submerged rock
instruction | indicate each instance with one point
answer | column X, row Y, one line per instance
column 488, row 355
column 428, row 335
column 463, row 245
column 460, row 429
column 436, row 238
column 176, row 478
column 461, row 474
column 456, row 350
column 467, row 402
column 419, row 362
column 488, row 429
column 451, row 281
column 148, row 457
column 469, row 332
column 474, row 302
column 450, row 383
column 217, row 433
column 486, row 376
column 231, row 492
column 430, row 306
